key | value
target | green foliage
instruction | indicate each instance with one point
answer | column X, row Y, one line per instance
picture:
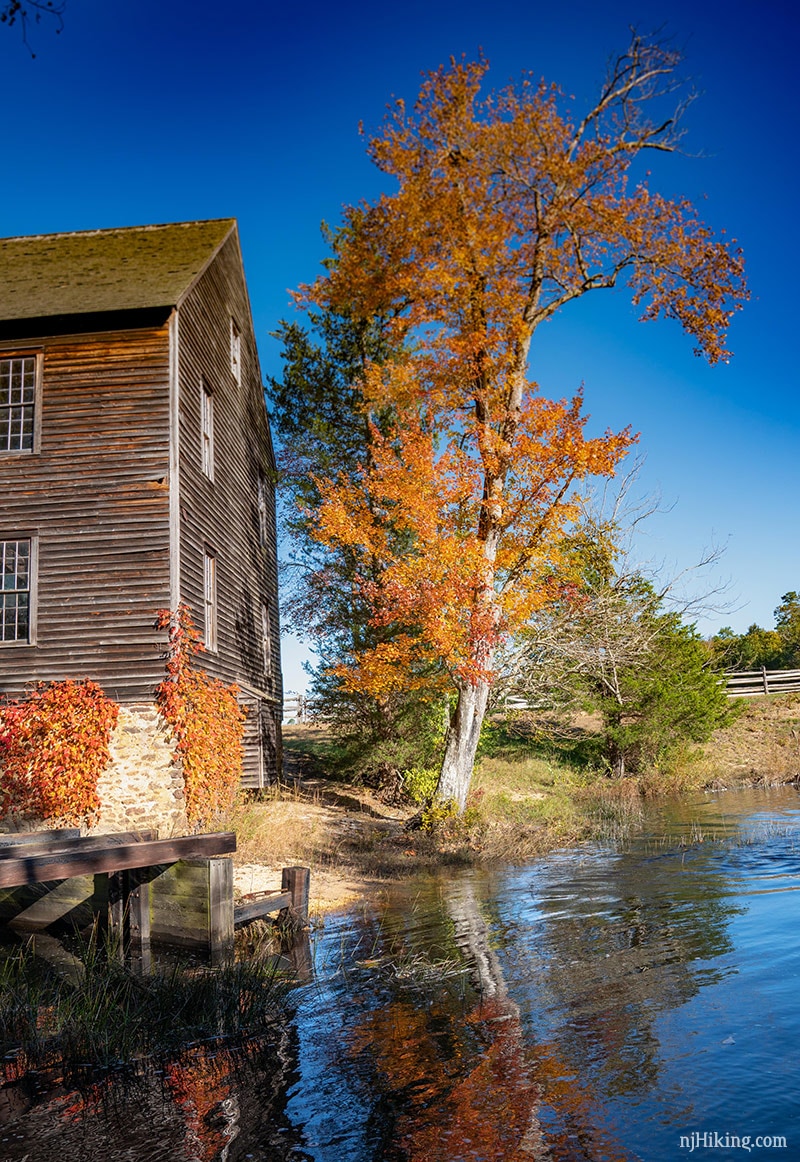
column 438, row 813
column 413, row 742
column 787, row 625
column 747, row 651
column 668, row 700
column 608, row 645
column 774, row 649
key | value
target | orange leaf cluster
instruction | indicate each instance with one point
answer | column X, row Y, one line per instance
column 54, row 746
column 205, row 718
column 455, row 592
column 509, row 206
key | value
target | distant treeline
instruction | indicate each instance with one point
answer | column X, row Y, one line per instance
column 774, row 649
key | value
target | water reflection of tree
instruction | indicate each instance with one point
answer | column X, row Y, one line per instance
column 458, row 1081
column 618, row 941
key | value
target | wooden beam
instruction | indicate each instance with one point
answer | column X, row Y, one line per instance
column 44, row 843
column 30, row 838
column 40, row 905
column 110, row 857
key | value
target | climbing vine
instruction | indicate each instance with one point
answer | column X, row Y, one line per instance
column 205, row 718
column 54, row 745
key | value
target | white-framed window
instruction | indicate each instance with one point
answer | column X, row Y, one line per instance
column 210, row 601
column 236, row 351
column 17, row 403
column 17, row 572
column 207, row 429
column 266, row 640
column 263, row 510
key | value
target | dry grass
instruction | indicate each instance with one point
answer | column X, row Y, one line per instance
column 761, row 745
column 285, row 825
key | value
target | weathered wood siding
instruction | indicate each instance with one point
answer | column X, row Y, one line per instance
column 96, row 495
column 221, row 516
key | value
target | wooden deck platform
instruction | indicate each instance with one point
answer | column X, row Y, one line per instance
column 173, row 891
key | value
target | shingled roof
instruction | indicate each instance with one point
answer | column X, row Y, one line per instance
column 94, row 271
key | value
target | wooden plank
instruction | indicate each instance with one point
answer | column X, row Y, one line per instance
column 30, row 838
column 72, row 842
column 33, row 908
column 257, row 909
column 192, row 906
column 112, row 857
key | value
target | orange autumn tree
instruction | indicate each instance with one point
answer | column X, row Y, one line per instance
column 506, row 209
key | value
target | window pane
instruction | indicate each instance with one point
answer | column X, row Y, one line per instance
column 17, row 399
column 210, row 586
column 15, row 558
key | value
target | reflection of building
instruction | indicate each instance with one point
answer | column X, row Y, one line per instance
column 136, row 468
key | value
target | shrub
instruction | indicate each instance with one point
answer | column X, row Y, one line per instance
column 419, row 783
column 54, row 745
column 206, row 720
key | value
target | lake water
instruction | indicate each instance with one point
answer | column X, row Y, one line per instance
column 600, row 1004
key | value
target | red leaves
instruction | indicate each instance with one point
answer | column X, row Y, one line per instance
column 206, row 720
column 53, row 748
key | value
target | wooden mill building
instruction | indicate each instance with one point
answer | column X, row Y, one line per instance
column 136, row 466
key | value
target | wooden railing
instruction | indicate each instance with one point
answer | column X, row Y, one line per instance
column 751, row 683
column 299, row 708
column 295, row 708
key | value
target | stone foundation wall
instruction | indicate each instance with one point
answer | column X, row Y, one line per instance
column 142, row 786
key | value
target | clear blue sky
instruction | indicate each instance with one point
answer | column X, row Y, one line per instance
column 144, row 111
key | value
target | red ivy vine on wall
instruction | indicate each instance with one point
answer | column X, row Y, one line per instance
column 54, row 745
column 206, row 720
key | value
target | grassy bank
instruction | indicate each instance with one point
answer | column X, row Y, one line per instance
column 533, row 790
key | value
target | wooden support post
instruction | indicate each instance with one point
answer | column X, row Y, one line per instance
column 299, row 954
column 129, row 917
column 138, row 950
column 116, row 914
column 295, row 881
column 220, row 909
column 764, row 677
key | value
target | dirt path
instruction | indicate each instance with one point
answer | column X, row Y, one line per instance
column 336, row 829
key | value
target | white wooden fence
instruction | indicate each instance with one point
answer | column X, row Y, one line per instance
column 750, row 683
column 295, row 708
column 738, row 684
column 299, row 708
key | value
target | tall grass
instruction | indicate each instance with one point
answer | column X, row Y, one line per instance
column 114, row 1017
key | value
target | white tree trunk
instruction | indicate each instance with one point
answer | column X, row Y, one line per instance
column 461, row 743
